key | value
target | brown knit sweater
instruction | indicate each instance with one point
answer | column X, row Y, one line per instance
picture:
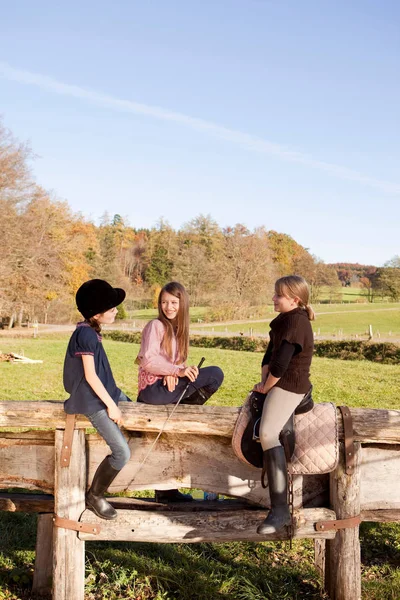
column 294, row 327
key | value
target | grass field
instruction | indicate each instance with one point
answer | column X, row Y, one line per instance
column 235, row 571
column 358, row 383
column 331, row 320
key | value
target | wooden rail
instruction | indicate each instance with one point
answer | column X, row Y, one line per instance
column 370, row 425
column 195, row 451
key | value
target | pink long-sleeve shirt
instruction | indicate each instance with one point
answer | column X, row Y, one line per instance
column 154, row 362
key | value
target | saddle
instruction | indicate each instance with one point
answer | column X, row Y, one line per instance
column 310, row 436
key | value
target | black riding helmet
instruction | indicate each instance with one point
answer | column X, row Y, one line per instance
column 97, row 296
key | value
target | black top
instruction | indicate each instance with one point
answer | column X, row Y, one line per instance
column 83, row 399
column 293, row 327
column 282, row 358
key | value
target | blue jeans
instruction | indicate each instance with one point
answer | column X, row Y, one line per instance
column 111, row 433
column 209, row 377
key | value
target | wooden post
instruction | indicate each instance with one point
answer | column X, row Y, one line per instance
column 69, row 503
column 343, row 554
column 43, row 555
column 319, row 557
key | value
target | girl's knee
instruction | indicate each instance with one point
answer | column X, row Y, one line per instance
column 217, row 375
column 269, row 439
column 126, row 454
column 121, row 456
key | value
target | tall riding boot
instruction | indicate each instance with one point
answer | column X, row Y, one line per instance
column 199, row 396
column 95, row 500
column 279, row 515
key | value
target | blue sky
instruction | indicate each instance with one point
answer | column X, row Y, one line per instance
column 263, row 112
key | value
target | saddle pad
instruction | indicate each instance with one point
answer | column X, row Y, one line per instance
column 317, row 444
column 316, row 449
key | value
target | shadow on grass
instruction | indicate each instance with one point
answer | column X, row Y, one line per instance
column 380, row 544
column 238, row 571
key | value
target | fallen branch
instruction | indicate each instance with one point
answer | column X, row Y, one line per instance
column 17, row 358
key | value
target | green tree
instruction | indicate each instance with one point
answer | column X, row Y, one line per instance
column 387, row 280
column 161, row 251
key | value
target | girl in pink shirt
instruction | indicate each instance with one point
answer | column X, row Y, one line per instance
column 163, row 373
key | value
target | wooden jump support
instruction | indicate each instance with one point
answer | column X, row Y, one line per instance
column 195, row 452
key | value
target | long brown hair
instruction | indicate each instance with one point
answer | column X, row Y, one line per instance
column 179, row 327
column 294, row 286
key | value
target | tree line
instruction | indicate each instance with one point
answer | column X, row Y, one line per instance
column 376, row 282
column 47, row 251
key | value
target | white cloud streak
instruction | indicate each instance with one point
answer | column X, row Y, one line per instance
column 250, row 142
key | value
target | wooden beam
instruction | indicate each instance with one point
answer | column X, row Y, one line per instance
column 42, row 574
column 192, row 461
column 37, row 503
column 200, row 526
column 381, row 516
column 380, row 470
column 69, row 503
column 27, row 460
column 370, row 425
column 44, row 503
column 195, row 461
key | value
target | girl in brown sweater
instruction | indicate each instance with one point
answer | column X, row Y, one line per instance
column 285, row 381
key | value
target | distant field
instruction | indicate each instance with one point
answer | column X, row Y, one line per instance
column 145, row 314
column 332, row 319
column 352, row 296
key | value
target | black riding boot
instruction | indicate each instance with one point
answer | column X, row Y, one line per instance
column 95, row 500
column 199, row 396
column 279, row 515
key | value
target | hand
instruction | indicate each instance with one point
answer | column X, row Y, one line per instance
column 171, row 382
column 115, row 414
column 259, row 387
column 190, row 372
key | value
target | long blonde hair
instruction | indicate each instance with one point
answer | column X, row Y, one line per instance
column 294, row 286
column 179, row 327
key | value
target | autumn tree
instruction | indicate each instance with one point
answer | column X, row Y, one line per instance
column 16, row 189
column 285, row 251
column 245, row 267
column 317, row 274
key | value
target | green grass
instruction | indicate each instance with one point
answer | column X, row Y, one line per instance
column 360, row 383
column 235, row 571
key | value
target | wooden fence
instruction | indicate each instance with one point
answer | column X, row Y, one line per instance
column 194, row 452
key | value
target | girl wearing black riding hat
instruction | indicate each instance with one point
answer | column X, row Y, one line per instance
column 93, row 392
